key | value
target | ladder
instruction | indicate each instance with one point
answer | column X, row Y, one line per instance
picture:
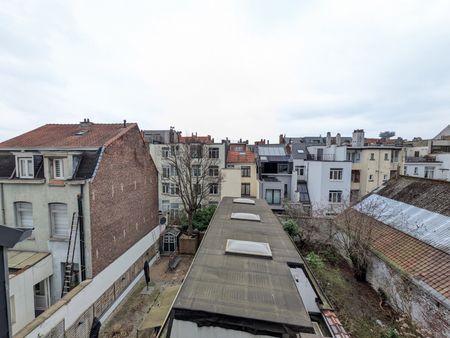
column 69, row 265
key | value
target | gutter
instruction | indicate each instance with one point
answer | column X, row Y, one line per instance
column 2, row 197
column 81, row 223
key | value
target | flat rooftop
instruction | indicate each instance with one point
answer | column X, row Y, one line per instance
column 261, row 289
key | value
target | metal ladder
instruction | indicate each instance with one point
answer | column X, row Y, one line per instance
column 69, row 265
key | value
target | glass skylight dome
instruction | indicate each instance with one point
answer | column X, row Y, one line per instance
column 235, row 246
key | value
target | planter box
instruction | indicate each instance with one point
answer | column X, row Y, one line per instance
column 188, row 245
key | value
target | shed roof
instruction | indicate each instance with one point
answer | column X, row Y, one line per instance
column 245, row 286
column 19, row 261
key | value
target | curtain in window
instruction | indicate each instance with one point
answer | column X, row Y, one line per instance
column 59, row 219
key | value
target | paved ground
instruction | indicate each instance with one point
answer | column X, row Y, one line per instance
column 126, row 319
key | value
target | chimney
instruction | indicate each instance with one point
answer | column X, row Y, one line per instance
column 328, row 139
column 124, row 123
column 358, row 138
column 338, row 139
column 85, row 123
column 281, row 139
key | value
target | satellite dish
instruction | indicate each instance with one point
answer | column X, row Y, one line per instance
column 162, row 220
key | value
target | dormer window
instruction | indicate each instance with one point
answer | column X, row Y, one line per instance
column 25, row 167
column 58, row 168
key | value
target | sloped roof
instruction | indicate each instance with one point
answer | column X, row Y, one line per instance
column 432, row 195
column 65, row 136
column 194, row 139
column 444, row 132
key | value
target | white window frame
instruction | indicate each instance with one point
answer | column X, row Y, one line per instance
column 27, row 172
column 428, row 172
column 196, row 170
column 165, row 171
column 61, row 164
column 213, row 188
column 335, row 196
column 165, row 152
column 336, row 174
column 246, row 171
column 213, row 171
column 174, row 189
column 53, row 213
column 21, row 207
column 165, row 188
column 213, row 152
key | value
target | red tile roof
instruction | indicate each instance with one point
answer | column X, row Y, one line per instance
column 200, row 139
column 65, row 136
column 416, row 258
column 335, row 325
column 241, row 156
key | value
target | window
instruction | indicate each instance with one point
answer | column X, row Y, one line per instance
column 24, row 214
column 405, row 170
column 174, row 210
column 385, row 177
column 12, row 304
column 166, row 171
column 429, row 172
column 370, row 178
column 214, row 171
column 336, row 174
column 416, row 154
column 300, row 170
column 25, row 165
column 282, row 167
column 165, row 152
column 169, row 242
column 173, row 171
column 273, row 196
column 213, row 188
column 58, row 168
column 245, row 189
column 394, row 155
column 372, row 156
column 59, row 220
column 416, row 170
column 245, row 171
column 174, row 189
column 165, row 205
column 213, row 152
column 356, row 176
column 335, row 196
column 197, row 189
column 196, row 170
column 386, row 157
column 196, row 150
column 166, row 188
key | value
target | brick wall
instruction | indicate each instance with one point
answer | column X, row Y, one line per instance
column 123, row 199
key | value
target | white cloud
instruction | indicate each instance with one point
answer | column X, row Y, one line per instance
column 250, row 69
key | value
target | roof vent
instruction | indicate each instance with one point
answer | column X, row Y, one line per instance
column 251, row 248
column 81, row 132
column 244, row 216
column 244, row 201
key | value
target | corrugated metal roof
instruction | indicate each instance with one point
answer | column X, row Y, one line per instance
column 427, row 226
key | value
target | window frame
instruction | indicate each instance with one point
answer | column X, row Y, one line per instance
column 213, row 152
column 246, row 171
column 335, row 196
column 372, row 157
column 213, row 189
column 20, row 173
column 53, row 221
column 165, row 152
column 54, row 173
column 196, row 170
column 244, row 188
column 17, row 211
column 272, row 199
column 213, row 171
column 165, row 188
column 336, row 174
column 166, row 171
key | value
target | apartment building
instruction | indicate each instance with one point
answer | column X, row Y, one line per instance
column 241, row 158
column 429, row 158
column 90, row 192
column 162, row 144
column 372, row 164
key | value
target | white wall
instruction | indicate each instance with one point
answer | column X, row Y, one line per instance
column 231, row 184
column 21, row 286
column 71, row 311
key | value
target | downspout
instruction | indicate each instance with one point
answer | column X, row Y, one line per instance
column 2, row 197
column 81, row 223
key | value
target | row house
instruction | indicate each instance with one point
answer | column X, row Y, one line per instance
column 162, row 145
column 89, row 191
column 240, row 176
column 429, row 158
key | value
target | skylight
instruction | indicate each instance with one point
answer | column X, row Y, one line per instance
column 244, row 201
column 300, row 151
column 81, row 132
column 245, row 216
column 235, row 246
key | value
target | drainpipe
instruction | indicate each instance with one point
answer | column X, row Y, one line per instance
column 82, row 247
column 2, row 197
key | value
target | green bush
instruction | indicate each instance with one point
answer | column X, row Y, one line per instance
column 291, row 227
column 391, row 333
column 202, row 217
column 315, row 261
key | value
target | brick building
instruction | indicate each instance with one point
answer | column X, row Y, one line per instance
column 90, row 191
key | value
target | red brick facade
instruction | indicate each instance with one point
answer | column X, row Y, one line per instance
column 123, row 198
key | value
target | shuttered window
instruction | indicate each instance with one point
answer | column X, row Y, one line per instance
column 59, row 220
column 58, row 168
column 24, row 214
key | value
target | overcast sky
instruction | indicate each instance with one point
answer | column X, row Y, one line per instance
column 242, row 69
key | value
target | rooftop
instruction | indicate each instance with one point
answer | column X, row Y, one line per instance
column 246, row 156
column 244, row 286
column 67, row 136
column 18, row 261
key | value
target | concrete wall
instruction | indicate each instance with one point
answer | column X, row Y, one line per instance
column 410, row 298
column 86, row 300
column 21, row 287
column 123, row 199
column 40, row 195
column 231, row 184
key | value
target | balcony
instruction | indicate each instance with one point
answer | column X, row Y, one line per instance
column 425, row 159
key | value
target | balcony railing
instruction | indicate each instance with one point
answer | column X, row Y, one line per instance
column 321, row 157
column 425, row 159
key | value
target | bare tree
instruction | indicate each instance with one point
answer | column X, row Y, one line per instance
column 195, row 175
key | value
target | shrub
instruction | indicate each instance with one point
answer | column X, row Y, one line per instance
column 315, row 261
column 291, row 227
column 202, row 217
column 391, row 333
